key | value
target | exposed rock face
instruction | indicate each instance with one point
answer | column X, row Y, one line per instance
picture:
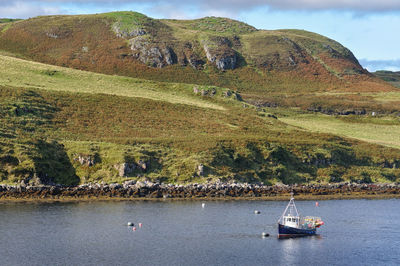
column 235, row 95
column 200, row 170
column 85, row 160
column 52, row 35
column 126, row 169
column 127, row 34
column 35, row 180
column 186, row 56
column 224, row 58
column 152, row 54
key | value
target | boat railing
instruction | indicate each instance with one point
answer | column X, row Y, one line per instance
column 312, row 218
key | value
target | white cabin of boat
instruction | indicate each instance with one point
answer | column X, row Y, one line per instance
column 291, row 221
column 291, row 216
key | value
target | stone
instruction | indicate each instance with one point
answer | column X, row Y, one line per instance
column 200, row 170
column 228, row 94
column 52, row 35
column 142, row 165
column 237, row 96
column 204, row 92
column 129, row 183
column 86, row 160
column 125, row 169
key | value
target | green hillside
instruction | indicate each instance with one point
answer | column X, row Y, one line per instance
column 60, row 125
column 389, row 76
column 119, row 96
column 270, row 68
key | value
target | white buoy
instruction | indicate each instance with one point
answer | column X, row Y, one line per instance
column 264, row 234
column 140, row 225
column 130, row 224
column 203, row 205
column 257, row 212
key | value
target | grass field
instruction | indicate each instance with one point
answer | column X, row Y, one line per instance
column 42, row 76
column 382, row 131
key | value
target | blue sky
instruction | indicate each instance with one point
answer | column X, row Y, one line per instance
column 367, row 27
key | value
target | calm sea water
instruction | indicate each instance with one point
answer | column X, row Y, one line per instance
column 356, row 232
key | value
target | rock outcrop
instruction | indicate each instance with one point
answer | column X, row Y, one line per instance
column 152, row 54
column 127, row 33
column 126, row 169
column 87, row 160
column 222, row 56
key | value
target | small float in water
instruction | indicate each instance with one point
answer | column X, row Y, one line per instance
column 292, row 224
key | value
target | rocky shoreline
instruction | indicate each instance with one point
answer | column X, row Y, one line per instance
column 149, row 190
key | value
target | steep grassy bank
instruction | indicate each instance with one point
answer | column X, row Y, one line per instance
column 59, row 125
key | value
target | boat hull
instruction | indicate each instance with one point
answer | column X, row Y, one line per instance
column 287, row 231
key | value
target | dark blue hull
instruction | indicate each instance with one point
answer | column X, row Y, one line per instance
column 286, row 231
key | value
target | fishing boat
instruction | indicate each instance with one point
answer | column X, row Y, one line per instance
column 292, row 224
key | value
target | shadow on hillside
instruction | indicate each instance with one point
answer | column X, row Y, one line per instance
column 52, row 164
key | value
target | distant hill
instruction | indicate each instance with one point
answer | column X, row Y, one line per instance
column 269, row 68
column 389, row 76
column 7, row 20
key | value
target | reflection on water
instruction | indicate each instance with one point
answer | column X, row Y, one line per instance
column 356, row 232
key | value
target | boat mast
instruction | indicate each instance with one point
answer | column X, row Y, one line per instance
column 290, row 208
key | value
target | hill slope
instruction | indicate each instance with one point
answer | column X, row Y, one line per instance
column 54, row 129
column 192, row 101
column 389, row 76
column 269, row 68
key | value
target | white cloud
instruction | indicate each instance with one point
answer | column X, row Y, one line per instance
column 210, row 6
column 374, row 65
column 23, row 9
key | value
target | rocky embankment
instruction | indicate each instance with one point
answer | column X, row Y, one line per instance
column 132, row 190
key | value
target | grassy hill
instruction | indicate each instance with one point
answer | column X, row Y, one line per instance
column 61, row 125
column 118, row 96
column 281, row 67
column 389, row 76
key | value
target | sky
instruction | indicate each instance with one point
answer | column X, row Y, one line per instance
column 369, row 28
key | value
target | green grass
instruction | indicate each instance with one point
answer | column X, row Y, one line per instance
column 389, row 76
column 218, row 25
column 128, row 21
column 382, row 131
column 42, row 76
column 7, row 20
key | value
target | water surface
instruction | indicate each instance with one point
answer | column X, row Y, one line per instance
column 356, row 232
